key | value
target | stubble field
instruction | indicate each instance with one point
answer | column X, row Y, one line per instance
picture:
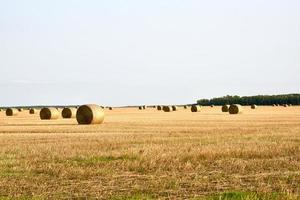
column 152, row 155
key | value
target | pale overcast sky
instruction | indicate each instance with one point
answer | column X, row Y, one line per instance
column 127, row 52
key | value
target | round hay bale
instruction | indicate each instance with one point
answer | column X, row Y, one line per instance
column 32, row 111
column 253, row 106
column 196, row 108
column 225, row 108
column 167, row 109
column 235, row 109
column 185, row 106
column 159, row 107
column 212, row 106
column 285, row 105
column 11, row 112
column 274, row 105
column 69, row 113
column 110, row 108
column 144, row 107
column 141, row 108
column 20, row 109
column 174, row 108
column 49, row 113
column 90, row 114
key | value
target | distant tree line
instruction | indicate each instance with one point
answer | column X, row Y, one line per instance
column 293, row 99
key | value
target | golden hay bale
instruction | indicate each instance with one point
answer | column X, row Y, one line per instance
column 212, row 106
column 141, row 107
column 285, row 105
column 185, row 106
column 11, row 112
column 159, row 107
column 253, row 106
column 274, row 105
column 167, row 109
column 174, row 108
column 196, row 108
column 110, row 108
column 235, row 109
column 69, row 112
column 49, row 113
column 32, row 111
column 20, row 109
column 90, row 114
column 144, row 107
column 225, row 108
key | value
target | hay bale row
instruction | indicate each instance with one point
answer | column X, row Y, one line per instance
column 15, row 111
column 159, row 107
column 142, row 107
column 85, row 114
column 284, row 105
column 167, row 109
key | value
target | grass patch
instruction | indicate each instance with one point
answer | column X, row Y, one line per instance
column 11, row 173
column 136, row 196
column 250, row 196
column 21, row 198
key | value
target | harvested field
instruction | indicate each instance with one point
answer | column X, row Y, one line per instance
column 152, row 154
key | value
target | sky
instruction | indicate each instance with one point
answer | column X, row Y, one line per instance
column 133, row 52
